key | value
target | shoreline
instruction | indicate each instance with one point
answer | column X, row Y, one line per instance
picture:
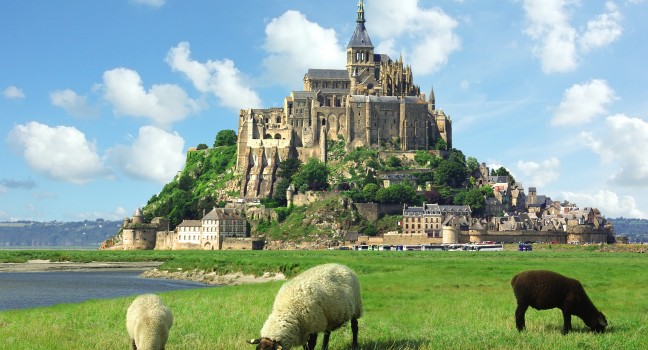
column 150, row 267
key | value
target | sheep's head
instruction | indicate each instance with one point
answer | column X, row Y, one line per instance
column 265, row 344
column 598, row 323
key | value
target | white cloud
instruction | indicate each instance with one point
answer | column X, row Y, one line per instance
column 624, row 143
column 431, row 31
column 294, row 44
column 558, row 42
column 73, row 104
column 539, row 174
column 152, row 3
column 13, row 92
column 603, row 30
column 162, row 104
column 583, row 102
column 608, row 203
column 221, row 78
column 156, row 155
column 60, row 152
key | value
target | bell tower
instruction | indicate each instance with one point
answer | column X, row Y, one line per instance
column 360, row 57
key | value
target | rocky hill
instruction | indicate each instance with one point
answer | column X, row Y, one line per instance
column 56, row 234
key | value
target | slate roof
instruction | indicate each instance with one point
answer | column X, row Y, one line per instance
column 340, row 74
column 360, row 37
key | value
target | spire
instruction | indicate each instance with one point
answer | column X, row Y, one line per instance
column 360, row 36
column 361, row 18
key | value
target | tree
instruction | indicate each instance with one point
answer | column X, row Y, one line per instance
column 400, row 193
column 393, row 162
column 225, row 138
column 473, row 198
column 472, row 164
column 285, row 171
column 422, row 157
column 202, row 146
column 312, row 175
column 441, row 145
column 369, row 192
column 450, row 173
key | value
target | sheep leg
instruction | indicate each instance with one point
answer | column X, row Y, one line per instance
column 354, row 331
column 567, row 326
column 327, row 335
column 519, row 316
column 133, row 345
column 312, row 340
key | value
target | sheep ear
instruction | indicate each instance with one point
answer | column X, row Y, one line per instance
column 254, row 341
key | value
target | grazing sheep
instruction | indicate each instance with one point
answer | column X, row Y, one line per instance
column 320, row 299
column 545, row 290
column 148, row 322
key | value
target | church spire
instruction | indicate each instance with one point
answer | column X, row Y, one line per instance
column 361, row 18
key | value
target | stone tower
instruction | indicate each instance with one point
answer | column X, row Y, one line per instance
column 360, row 57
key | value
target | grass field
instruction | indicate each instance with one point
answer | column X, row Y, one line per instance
column 412, row 300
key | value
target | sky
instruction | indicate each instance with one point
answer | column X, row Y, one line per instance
column 100, row 100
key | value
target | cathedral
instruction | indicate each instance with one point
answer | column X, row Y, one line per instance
column 373, row 102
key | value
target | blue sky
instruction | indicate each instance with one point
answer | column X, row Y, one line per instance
column 100, row 100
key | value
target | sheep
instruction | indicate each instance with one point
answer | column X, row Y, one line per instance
column 321, row 299
column 148, row 322
column 545, row 290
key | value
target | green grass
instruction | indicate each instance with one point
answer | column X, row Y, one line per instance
column 413, row 300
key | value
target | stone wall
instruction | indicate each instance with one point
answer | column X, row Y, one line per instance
column 241, row 244
column 309, row 197
column 375, row 211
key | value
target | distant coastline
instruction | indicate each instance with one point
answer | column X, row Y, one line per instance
column 48, row 266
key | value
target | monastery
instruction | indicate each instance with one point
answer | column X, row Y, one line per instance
column 373, row 102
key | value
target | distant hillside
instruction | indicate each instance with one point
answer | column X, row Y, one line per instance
column 635, row 229
column 56, row 234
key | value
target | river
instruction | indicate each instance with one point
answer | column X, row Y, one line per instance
column 20, row 290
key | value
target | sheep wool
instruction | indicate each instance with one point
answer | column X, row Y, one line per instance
column 320, row 299
column 148, row 322
column 544, row 290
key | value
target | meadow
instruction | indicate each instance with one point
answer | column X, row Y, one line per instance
column 412, row 300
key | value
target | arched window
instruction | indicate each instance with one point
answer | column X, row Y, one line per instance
column 277, row 137
column 323, row 121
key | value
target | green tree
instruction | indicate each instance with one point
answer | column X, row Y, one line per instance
column 393, row 162
column 441, row 144
column 450, row 173
column 202, row 146
column 312, row 175
column 399, row 193
column 422, row 157
column 369, row 192
column 225, row 138
column 473, row 198
column 472, row 164
column 285, row 171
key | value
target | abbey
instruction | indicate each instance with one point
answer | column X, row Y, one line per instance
column 372, row 103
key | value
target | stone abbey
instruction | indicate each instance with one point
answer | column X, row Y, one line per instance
column 372, row 103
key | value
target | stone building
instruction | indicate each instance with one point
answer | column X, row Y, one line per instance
column 429, row 218
column 373, row 102
column 140, row 235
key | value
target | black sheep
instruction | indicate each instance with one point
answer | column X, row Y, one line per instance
column 545, row 290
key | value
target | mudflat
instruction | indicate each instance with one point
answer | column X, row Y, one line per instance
column 47, row 265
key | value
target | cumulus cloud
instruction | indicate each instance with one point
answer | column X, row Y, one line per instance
column 152, row 3
column 431, row 29
column 540, row 174
column 558, row 44
column 623, row 143
column 155, row 155
column 60, row 152
column 583, row 102
column 608, row 203
column 220, row 78
column 603, row 30
column 294, row 44
column 162, row 104
column 13, row 92
column 73, row 104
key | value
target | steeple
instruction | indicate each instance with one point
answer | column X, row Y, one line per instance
column 360, row 37
column 361, row 13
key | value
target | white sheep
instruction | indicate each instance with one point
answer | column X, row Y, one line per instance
column 321, row 299
column 148, row 322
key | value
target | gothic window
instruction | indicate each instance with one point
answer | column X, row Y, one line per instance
column 277, row 137
column 278, row 119
column 323, row 122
